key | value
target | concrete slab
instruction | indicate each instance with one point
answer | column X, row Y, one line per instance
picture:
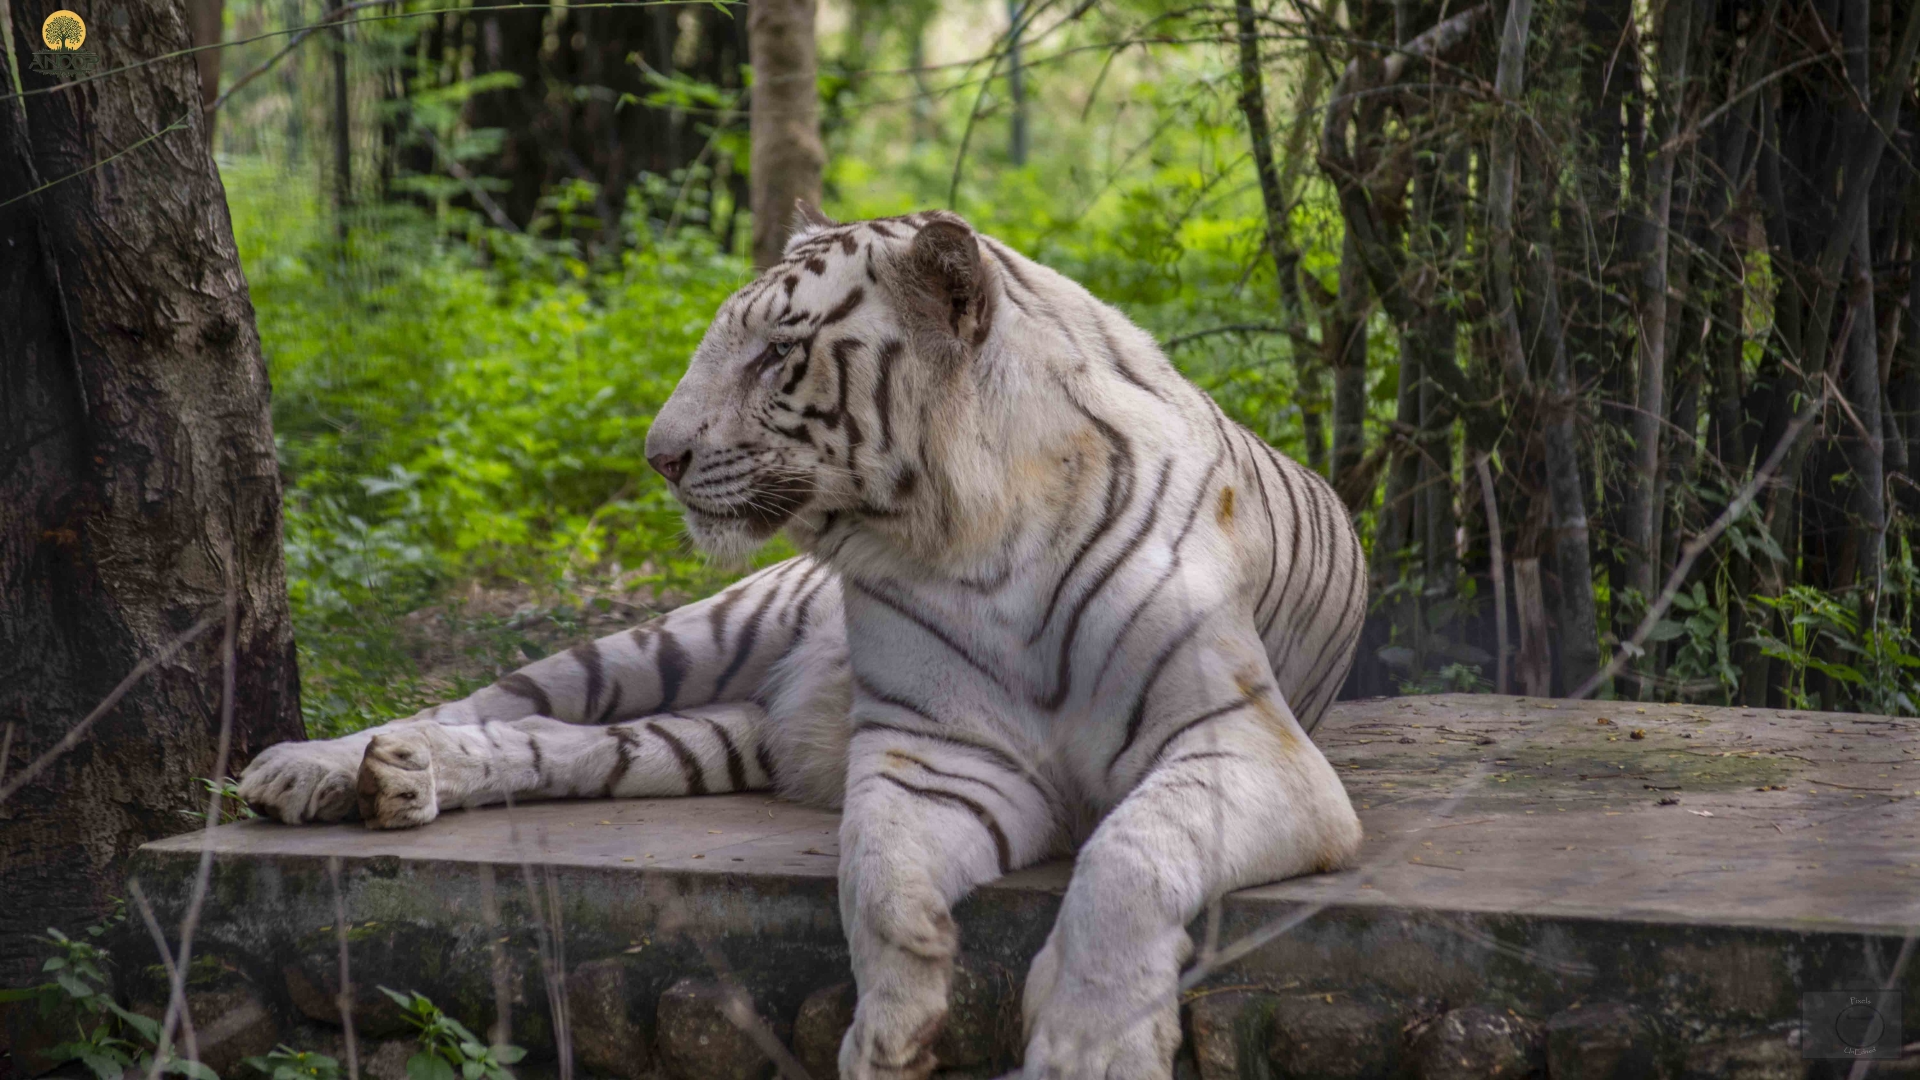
column 1700, row 865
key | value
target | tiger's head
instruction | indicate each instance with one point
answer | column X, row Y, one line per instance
column 823, row 390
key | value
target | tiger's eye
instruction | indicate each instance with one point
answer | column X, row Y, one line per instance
column 782, row 348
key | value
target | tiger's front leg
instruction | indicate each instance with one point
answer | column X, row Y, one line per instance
column 927, row 818
column 1228, row 792
column 411, row 772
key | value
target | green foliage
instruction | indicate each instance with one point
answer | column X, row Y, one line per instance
column 286, row 1063
column 232, row 807
column 1704, row 656
column 108, row 1039
column 446, row 1046
column 1452, row 678
column 453, row 410
column 1876, row 669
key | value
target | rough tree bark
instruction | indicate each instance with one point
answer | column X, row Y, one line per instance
column 1579, row 638
column 136, row 468
column 786, row 154
column 1572, row 550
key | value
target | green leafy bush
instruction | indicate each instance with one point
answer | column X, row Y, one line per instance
column 449, row 411
column 285, row 1063
column 446, row 1045
column 110, row 1041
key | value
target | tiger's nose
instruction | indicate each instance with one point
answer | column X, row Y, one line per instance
column 671, row 466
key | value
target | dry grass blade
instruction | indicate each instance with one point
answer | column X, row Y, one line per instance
column 502, row 1031
column 548, row 941
column 166, row 961
column 344, row 1000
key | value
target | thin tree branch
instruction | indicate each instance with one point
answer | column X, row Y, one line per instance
column 493, row 211
column 1178, row 340
column 177, row 125
column 190, row 922
column 166, row 962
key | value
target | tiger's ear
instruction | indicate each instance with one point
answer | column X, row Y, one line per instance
column 807, row 216
column 807, row 220
column 944, row 264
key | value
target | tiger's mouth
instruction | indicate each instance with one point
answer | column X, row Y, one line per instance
column 761, row 511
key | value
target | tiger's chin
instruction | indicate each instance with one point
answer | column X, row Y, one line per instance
column 731, row 535
column 729, row 542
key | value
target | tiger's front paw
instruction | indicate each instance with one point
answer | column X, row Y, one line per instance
column 903, row 940
column 297, row 783
column 893, row 1039
column 1105, row 1011
column 1093, row 1036
column 396, row 785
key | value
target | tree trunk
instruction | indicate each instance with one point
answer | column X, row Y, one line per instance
column 1276, row 195
column 1496, row 571
column 1650, row 400
column 787, row 156
column 1533, row 668
column 342, row 127
column 1862, row 436
column 1509, row 80
column 1566, row 490
column 1348, row 354
column 205, row 17
column 1862, row 372
column 140, row 475
column 1437, row 227
column 1907, row 386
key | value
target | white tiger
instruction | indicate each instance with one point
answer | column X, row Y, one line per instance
column 1053, row 598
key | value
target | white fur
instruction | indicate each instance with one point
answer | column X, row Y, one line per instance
column 1053, row 598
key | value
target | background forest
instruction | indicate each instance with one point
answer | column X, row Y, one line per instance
column 1600, row 314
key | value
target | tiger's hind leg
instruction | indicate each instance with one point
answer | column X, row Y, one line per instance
column 720, row 649
column 1225, row 791
column 412, row 772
